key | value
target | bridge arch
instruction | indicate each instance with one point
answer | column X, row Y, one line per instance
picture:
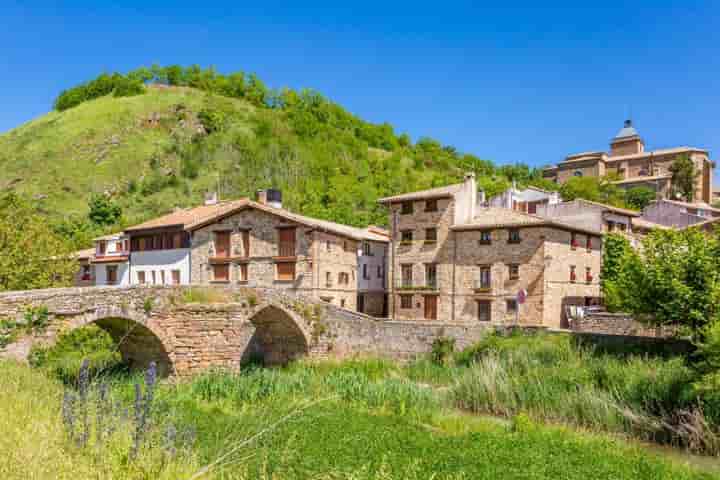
column 280, row 336
column 139, row 340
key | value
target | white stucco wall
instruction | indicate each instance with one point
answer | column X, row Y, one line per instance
column 161, row 260
column 123, row 277
column 375, row 283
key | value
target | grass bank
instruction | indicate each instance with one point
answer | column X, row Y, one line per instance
column 357, row 419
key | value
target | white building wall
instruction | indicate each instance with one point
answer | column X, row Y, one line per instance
column 158, row 261
column 123, row 274
column 371, row 263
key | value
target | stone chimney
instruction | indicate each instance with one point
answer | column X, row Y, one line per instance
column 270, row 196
column 211, row 198
column 627, row 141
column 466, row 200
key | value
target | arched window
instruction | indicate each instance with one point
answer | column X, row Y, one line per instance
column 578, row 173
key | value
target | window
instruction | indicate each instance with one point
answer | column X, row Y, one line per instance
column 102, row 246
column 177, row 240
column 222, row 244
column 406, row 301
column 221, row 272
column 118, row 247
column 588, row 275
column 511, row 306
column 431, row 205
column 513, row 235
column 126, row 245
column 431, row 275
column 176, row 277
column 286, row 271
column 406, row 208
column 485, row 238
column 111, row 272
column 406, row 236
column 343, row 278
column 588, row 243
column 513, row 271
column 243, row 272
column 610, row 226
column 246, row 243
column 484, row 282
column 286, row 242
column 141, row 277
column 573, row 241
column 430, row 235
column 366, row 275
column 328, row 245
column 328, row 279
column 85, row 272
column 406, row 271
column 484, row 310
column 380, row 271
column 621, row 226
column 573, row 277
column 366, row 249
column 162, row 277
column 342, row 302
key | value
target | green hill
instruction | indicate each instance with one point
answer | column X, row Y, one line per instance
column 196, row 131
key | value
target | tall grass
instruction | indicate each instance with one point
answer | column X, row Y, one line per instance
column 553, row 380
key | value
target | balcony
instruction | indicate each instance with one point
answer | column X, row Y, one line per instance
column 286, row 249
column 482, row 286
column 409, row 286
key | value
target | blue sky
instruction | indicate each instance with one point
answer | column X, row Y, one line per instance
column 523, row 84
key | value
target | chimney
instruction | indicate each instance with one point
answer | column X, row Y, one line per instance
column 270, row 196
column 261, row 197
column 211, row 198
column 466, row 200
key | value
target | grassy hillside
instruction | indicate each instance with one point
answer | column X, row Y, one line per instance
column 204, row 132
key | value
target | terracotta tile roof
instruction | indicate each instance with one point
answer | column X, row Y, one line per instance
column 621, row 211
column 496, row 217
column 85, row 254
column 703, row 224
column 643, row 179
column 697, row 205
column 643, row 224
column 194, row 218
column 439, row 192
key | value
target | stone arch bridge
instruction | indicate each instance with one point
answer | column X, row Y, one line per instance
column 189, row 329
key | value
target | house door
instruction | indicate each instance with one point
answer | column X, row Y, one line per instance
column 431, row 307
column 361, row 303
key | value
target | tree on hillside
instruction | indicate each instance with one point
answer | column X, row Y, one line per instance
column 103, row 211
column 674, row 278
column 593, row 189
column 33, row 255
column 683, row 177
column 639, row 197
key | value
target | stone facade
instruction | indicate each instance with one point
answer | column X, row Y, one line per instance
column 274, row 326
column 439, row 279
column 634, row 166
column 619, row 324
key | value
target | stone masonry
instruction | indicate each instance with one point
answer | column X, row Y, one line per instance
column 273, row 326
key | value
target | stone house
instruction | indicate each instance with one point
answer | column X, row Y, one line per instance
column 526, row 200
column 634, row 166
column 254, row 243
column 591, row 215
column 455, row 260
column 677, row 214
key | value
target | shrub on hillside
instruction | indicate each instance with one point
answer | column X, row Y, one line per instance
column 65, row 358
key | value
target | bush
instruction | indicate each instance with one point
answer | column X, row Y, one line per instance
column 65, row 358
column 442, row 350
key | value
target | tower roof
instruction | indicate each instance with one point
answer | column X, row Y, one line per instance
column 627, row 131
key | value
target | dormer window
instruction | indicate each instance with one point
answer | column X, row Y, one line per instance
column 406, row 208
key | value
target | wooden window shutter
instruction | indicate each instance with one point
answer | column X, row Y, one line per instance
column 286, row 271
column 221, row 272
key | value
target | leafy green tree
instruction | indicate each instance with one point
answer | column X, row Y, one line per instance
column 616, row 252
column 639, row 197
column 684, row 175
column 32, row 254
column 674, row 278
column 103, row 211
column 593, row 189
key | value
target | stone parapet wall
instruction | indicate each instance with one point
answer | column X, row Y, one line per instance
column 619, row 324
